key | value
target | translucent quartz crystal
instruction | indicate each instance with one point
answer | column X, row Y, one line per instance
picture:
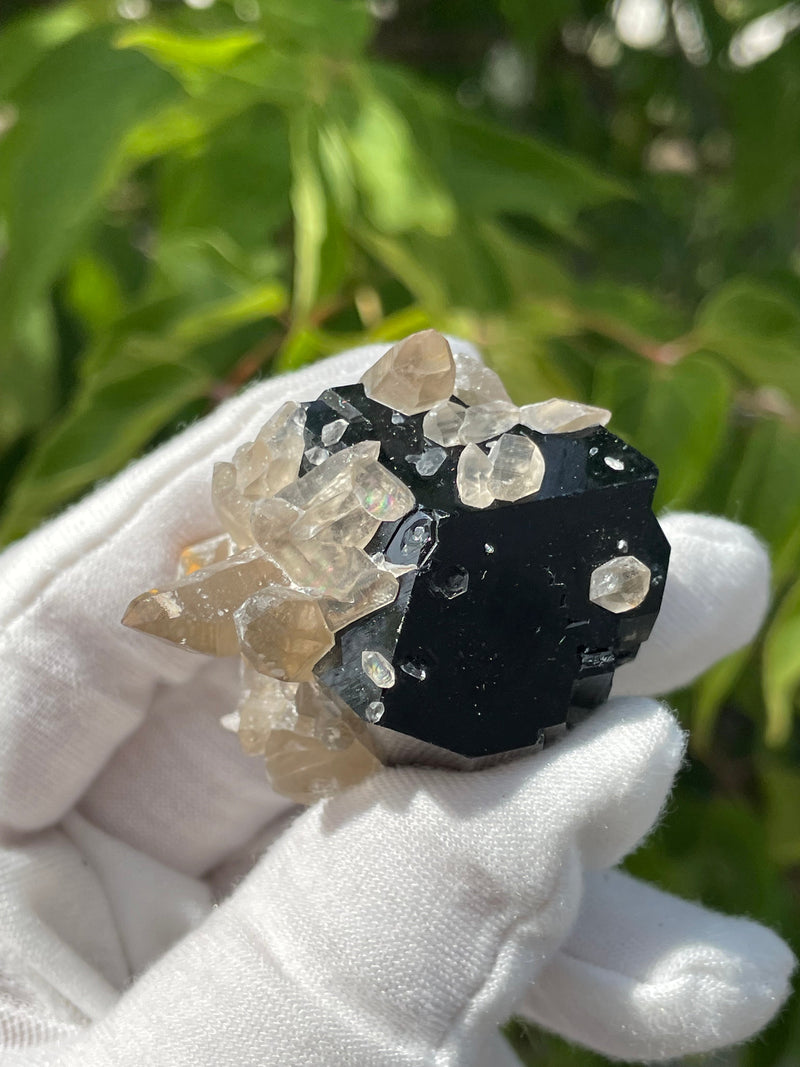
column 305, row 769
column 413, row 375
column 317, row 455
column 620, row 584
column 517, row 467
column 336, row 475
column 312, row 746
column 488, row 420
column 272, row 520
column 475, row 382
column 273, row 460
column 282, row 632
column 230, row 504
column 472, row 477
column 197, row 612
column 340, row 518
column 333, row 432
column 323, row 568
column 442, row 424
column 377, row 668
column 375, row 589
column 562, row 416
column 430, row 461
column 204, row 553
column 259, row 469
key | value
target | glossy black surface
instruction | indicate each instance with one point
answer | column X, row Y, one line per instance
column 493, row 639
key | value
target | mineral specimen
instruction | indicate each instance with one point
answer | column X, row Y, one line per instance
column 414, row 568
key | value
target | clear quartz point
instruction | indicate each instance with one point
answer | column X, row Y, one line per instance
column 488, row 420
column 333, row 432
column 517, row 467
column 620, row 584
column 381, row 494
column 475, row 382
column 428, row 462
column 472, row 477
column 282, row 632
column 317, row 455
column 335, row 475
column 413, row 375
column 562, row 416
column 442, row 424
column 197, row 612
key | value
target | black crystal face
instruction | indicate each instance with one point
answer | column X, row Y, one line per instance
column 493, row 638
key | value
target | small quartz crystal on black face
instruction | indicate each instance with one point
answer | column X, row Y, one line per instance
column 414, row 557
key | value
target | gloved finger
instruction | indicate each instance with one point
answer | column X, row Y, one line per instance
column 75, row 682
column 715, row 599
column 181, row 789
column 400, row 922
column 647, row 976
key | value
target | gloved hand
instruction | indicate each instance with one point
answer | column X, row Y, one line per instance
column 395, row 925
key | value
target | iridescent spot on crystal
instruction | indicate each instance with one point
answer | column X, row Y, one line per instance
column 377, row 668
column 620, row 584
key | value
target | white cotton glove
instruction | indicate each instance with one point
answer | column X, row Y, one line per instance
column 393, row 926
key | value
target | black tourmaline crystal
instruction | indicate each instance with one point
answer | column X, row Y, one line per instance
column 493, row 638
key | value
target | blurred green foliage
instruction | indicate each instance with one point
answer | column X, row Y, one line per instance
column 604, row 197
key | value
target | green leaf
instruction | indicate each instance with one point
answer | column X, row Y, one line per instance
column 63, row 155
column 309, row 204
column 25, row 41
column 781, row 676
column 676, row 415
column 192, row 59
column 757, row 330
column 400, row 192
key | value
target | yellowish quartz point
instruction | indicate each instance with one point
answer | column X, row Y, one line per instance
column 517, row 467
column 283, row 632
column 472, row 477
column 414, row 374
column 197, row 612
column 562, row 416
column 475, row 382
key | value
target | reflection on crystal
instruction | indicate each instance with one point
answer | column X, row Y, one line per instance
column 197, row 612
column 488, row 420
column 476, row 383
column 429, row 461
column 230, row 722
column 375, row 589
column 317, row 455
column 620, row 584
column 414, row 374
column 204, row 553
column 377, row 668
column 472, row 477
column 283, row 632
column 614, row 463
column 335, row 475
column 517, row 467
column 442, row 424
column 414, row 670
column 375, row 711
column 562, row 416
column 333, row 432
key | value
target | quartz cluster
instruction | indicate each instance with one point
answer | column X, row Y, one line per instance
column 416, row 555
